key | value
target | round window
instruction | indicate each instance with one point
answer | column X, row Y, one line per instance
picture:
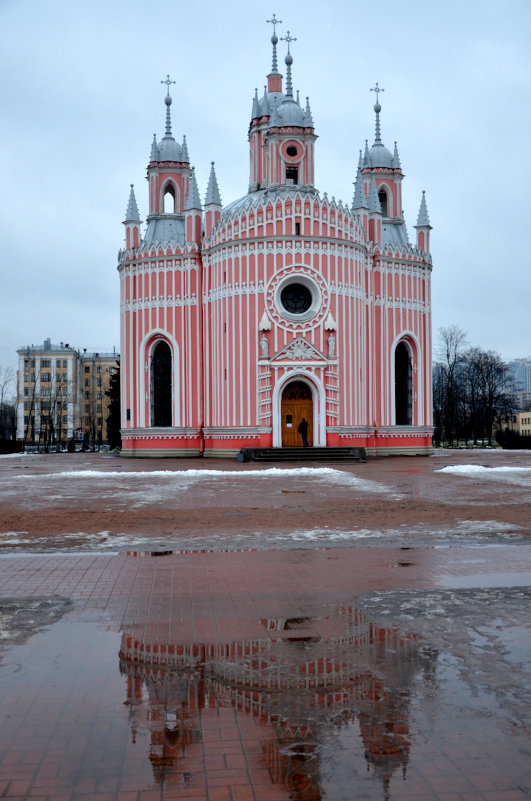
column 291, row 150
column 296, row 298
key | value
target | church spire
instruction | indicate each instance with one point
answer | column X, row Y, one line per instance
column 289, row 61
column 168, row 102
column 274, row 79
column 274, row 41
column 377, row 109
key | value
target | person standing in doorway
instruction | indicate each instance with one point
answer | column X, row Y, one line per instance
column 303, row 431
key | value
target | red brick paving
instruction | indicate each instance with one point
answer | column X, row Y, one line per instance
column 70, row 729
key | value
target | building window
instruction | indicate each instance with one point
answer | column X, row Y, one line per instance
column 64, row 363
column 169, row 200
column 382, row 197
column 87, row 368
column 98, row 407
column 26, row 391
column 87, row 382
column 46, row 377
column 33, row 362
column 98, row 395
column 403, row 386
column 98, row 368
column 45, row 363
column 292, row 175
column 99, row 421
column 161, row 385
column 99, row 382
column 58, row 362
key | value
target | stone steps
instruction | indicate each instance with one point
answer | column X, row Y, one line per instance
column 302, row 455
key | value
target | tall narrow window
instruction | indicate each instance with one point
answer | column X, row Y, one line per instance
column 161, row 385
column 292, row 175
column 403, row 386
column 169, row 200
column 382, row 197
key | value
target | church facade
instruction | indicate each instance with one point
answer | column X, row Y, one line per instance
column 238, row 322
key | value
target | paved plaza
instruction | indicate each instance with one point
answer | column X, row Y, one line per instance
column 170, row 637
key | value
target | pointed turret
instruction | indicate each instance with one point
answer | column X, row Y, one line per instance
column 154, row 150
column 132, row 222
column 193, row 201
column 184, row 151
column 255, row 113
column 212, row 202
column 373, row 199
column 193, row 213
column 360, row 198
column 423, row 226
column 308, row 114
column 375, row 213
column 396, row 159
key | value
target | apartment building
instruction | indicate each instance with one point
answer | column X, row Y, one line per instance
column 61, row 394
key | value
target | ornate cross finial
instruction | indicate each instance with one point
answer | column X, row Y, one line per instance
column 168, row 82
column 377, row 90
column 288, row 38
column 274, row 22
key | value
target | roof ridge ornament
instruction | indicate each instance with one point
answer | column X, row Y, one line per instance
column 274, row 40
column 168, row 101
column 289, row 61
column 377, row 108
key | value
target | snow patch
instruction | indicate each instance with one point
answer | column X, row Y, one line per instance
column 510, row 475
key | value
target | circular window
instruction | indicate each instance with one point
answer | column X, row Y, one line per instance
column 296, row 298
column 291, row 150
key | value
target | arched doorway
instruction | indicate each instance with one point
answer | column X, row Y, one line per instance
column 161, row 385
column 297, row 403
column 403, row 386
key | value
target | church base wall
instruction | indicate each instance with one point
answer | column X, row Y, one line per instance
column 226, row 442
column 384, row 441
column 160, row 443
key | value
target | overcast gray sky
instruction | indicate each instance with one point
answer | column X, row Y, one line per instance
column 81, row 99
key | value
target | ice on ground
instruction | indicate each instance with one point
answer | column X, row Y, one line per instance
column 510, row 475
column 464, row 533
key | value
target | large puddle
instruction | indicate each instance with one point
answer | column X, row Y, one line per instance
column 341, row 706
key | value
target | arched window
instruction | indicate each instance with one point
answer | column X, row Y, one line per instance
column 403, row 386
column 382, row 197
column 161, row 385
column 169, row 200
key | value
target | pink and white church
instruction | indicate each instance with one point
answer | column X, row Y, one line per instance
column 237, row 322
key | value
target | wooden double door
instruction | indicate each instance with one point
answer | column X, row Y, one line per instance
column 297, row 404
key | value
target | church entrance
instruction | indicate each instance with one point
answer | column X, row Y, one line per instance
column 296, row 403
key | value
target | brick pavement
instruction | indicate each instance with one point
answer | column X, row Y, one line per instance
column 244, row 676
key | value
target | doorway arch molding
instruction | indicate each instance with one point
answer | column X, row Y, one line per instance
column 145, row 355
column 319, row 405
column 410, row 340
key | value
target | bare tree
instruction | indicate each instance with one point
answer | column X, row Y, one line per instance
column 7, row 408
column 449, row 355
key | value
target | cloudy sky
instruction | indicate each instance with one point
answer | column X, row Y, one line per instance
column 81, row 99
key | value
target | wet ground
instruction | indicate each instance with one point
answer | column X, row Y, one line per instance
column 352, row 632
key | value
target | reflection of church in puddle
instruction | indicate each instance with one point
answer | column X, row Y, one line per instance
column 237, row 321
column 284, row 698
